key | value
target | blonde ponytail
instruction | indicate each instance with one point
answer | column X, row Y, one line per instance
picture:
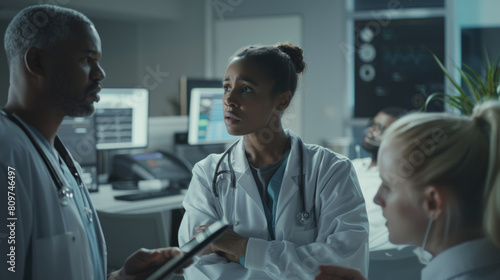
column 489, row 112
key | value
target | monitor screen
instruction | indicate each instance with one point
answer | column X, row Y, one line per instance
column 188, row 84
column 79, row 136
column 122, row 118
column 206, row 117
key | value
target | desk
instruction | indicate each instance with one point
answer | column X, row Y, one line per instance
column 104, row 200
column 124, row 234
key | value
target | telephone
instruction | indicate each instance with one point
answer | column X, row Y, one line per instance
column 153, row 165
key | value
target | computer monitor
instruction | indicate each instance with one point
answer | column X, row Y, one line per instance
column 206, row 118
column 122, row 118
column 188, row 84
column 79, row 136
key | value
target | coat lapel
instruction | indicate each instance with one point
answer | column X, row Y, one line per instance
column 290, row 184
column 244, row 178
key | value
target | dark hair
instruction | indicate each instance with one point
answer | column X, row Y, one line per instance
column 395, row 112
column 39, row 26
column 283, row 63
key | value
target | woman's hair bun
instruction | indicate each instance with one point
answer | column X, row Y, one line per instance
column 295, row 54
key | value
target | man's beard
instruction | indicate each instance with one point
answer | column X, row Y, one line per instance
column 67, row 102
column 79, row 108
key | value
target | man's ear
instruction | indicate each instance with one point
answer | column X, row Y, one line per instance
column 435, row 200
column 284, row 99
column 33, row 61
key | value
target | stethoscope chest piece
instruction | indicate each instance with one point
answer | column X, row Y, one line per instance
column 223, row 181
column 304, row 218
column 65, row 194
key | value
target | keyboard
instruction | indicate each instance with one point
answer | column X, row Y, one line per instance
column 149, row 194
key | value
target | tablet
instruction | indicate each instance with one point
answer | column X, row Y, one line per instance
column 190, row 249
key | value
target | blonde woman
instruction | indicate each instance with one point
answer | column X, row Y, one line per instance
column 441, row 191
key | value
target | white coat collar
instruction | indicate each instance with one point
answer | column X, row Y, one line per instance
column 290, row 184
column 462, row 259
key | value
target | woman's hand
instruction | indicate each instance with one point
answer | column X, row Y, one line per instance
column 333, row 272
column 230, row 245
column 229, row 257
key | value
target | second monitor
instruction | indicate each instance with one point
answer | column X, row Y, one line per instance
column 122, row 118
column 206, row 117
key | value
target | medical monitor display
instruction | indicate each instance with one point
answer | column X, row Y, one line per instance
column 78, row 136
column 206, row 118
column 122, row 118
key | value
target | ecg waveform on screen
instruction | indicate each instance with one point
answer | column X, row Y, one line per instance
column 405, row 57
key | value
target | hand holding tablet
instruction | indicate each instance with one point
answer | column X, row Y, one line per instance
column 189, row 250
column 144, row 262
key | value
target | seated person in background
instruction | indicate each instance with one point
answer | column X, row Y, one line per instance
column 292, row 205
column 441, row 191
column 369, row 178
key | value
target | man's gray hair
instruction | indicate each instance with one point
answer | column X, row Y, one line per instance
column 39, row 26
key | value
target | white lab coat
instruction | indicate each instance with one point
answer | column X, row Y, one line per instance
column 50, row 239
column 338, row 236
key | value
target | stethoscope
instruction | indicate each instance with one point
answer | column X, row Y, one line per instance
column 304, row 217
column 64, row 192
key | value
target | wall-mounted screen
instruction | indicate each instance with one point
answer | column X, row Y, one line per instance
column 122, row 118
column 206, row 117
column 394, row 66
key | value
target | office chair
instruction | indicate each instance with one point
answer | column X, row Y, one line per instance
column 126, row 233
column 394, row 264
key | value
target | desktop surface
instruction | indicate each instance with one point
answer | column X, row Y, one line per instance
column 141, row 195
column 104, row 200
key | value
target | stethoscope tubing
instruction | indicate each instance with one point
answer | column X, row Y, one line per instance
column 303, row 217
column 230, row 171
column 60, row 149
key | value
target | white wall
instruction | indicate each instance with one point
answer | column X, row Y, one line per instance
column 477, row 13
column 174, row 47
column 119, row 52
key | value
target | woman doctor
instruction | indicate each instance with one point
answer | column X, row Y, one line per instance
column 292, row 205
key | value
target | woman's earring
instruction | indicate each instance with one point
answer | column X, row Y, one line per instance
column 278, row 108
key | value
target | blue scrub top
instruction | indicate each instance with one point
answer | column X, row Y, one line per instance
column 83, row 207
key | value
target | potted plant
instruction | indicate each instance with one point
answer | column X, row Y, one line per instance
column 479, row 88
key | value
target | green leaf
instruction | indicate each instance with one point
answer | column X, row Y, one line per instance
column 469, row 81
column 455, row 84
column 437, row 95
column 480, row 85
column 481, row 88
